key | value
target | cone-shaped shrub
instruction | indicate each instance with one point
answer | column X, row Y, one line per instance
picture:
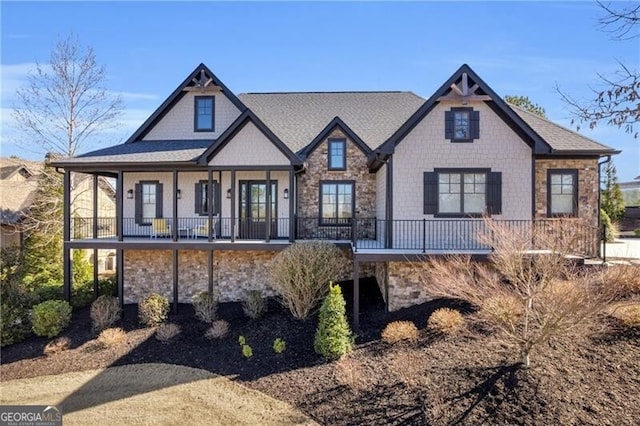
column 333, row 337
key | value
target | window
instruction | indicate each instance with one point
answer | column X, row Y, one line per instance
column 148, row 202
column 202, row 198
column 336, row 202
column 464, row 192
column 337, row 154
column 562, row 190
column 462, row 124
column 203, row 116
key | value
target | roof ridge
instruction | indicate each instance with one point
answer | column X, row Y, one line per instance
column 327, row 92
column 557, row 125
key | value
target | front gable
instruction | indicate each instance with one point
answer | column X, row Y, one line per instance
column 248, row 142
column 461, row 89
column 175, row 119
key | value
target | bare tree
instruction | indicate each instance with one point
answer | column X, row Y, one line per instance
column 64, row 103
column 529, row 295
column 616, row 100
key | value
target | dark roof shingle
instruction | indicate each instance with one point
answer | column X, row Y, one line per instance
column 146, row 152
column 297, row 118
column 559, row 138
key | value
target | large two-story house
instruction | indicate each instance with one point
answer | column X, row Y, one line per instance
column 214, row 184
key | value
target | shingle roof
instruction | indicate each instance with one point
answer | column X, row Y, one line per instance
column 146, row 152
column 559, row 138
column 297, row 118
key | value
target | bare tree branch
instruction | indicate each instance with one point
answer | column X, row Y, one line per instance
column 621, row 24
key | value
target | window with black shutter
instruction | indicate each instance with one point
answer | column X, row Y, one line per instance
column 462, row 192
column 202, row 202
column 462, row 125
column 148, row 201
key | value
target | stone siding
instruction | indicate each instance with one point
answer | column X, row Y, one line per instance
column 405, row 288
column 587, row 186
column 308, row 185
column 234, row 272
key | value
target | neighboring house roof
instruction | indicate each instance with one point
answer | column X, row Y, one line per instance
column 166, row 151
column 297, row 118
column 630, row 185
column 560, row 138
column 9, row 171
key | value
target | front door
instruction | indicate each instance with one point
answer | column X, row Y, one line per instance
column 253, row 209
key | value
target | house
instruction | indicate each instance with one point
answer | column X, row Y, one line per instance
column 18, row 185
column 214, row 184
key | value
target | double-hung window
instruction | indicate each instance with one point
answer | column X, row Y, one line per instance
column 562, row 192
column 203, row 114
column 462, row 124
column 336, row 202
column 337, row 154
column 148, row 202
column 202, row 201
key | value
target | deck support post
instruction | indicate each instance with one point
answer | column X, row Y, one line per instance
column 66, row 251
column 95, row 236
column 210, row 270
column 292, row 197
column 233, row 205
column 119, row 203
column 174, row 228
column 120, row 277
column 210, row 203
column 175, row 281
column 356, row 294
column 268, row 195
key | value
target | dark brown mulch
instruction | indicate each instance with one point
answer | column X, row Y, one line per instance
column 470, row 379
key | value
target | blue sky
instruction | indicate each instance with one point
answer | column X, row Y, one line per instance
column 521, row 48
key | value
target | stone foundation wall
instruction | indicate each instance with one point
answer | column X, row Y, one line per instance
column 588, row 186
column 405, row 288
column 381, row 273
column 234, row 272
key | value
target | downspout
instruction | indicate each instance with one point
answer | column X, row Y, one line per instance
column 602, row 248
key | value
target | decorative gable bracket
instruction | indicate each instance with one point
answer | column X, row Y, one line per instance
column 202, row 84
column 461, row 92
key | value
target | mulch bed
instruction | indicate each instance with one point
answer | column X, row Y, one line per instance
column 469, row 379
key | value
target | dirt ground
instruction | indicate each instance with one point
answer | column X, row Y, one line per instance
column 469, row 379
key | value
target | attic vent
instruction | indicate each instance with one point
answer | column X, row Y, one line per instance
column 462, row 92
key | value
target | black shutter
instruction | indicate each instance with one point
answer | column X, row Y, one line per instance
column 494, row 193
column 138, row 203
column 159, row 200
column 197, row 209
column 448, row 124
column 474, row 125
column 430, row 192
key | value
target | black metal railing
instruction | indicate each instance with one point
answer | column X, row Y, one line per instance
column 422, row 235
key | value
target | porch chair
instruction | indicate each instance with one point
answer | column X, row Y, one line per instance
column 203, row 229
column 160, row 227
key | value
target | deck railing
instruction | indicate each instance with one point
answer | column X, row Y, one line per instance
column 423, row 235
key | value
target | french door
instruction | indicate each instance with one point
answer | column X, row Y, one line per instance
column 253, row 209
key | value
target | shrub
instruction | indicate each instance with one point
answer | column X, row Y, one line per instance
column 81, row 294
column 105, row 311
column 446, row 321
column 111, row 337
column 301, row 272
column 153, row 310
column 48, row 292
column 15, row 320
column 279, row 345
column 503, row 309
column 51, row 317
column 218, row 330
column 57, row 345
column 636, row 232
column 166, row 332
column 399, row 331
column 205, row 306
column 242, row 340
column 350, row 373
column 624, row 278
column 107, row 286
column 628, row 315
column 333, row 336
column 253, row 304
column 610, row 229
column 247, row 352
column 556, row 298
